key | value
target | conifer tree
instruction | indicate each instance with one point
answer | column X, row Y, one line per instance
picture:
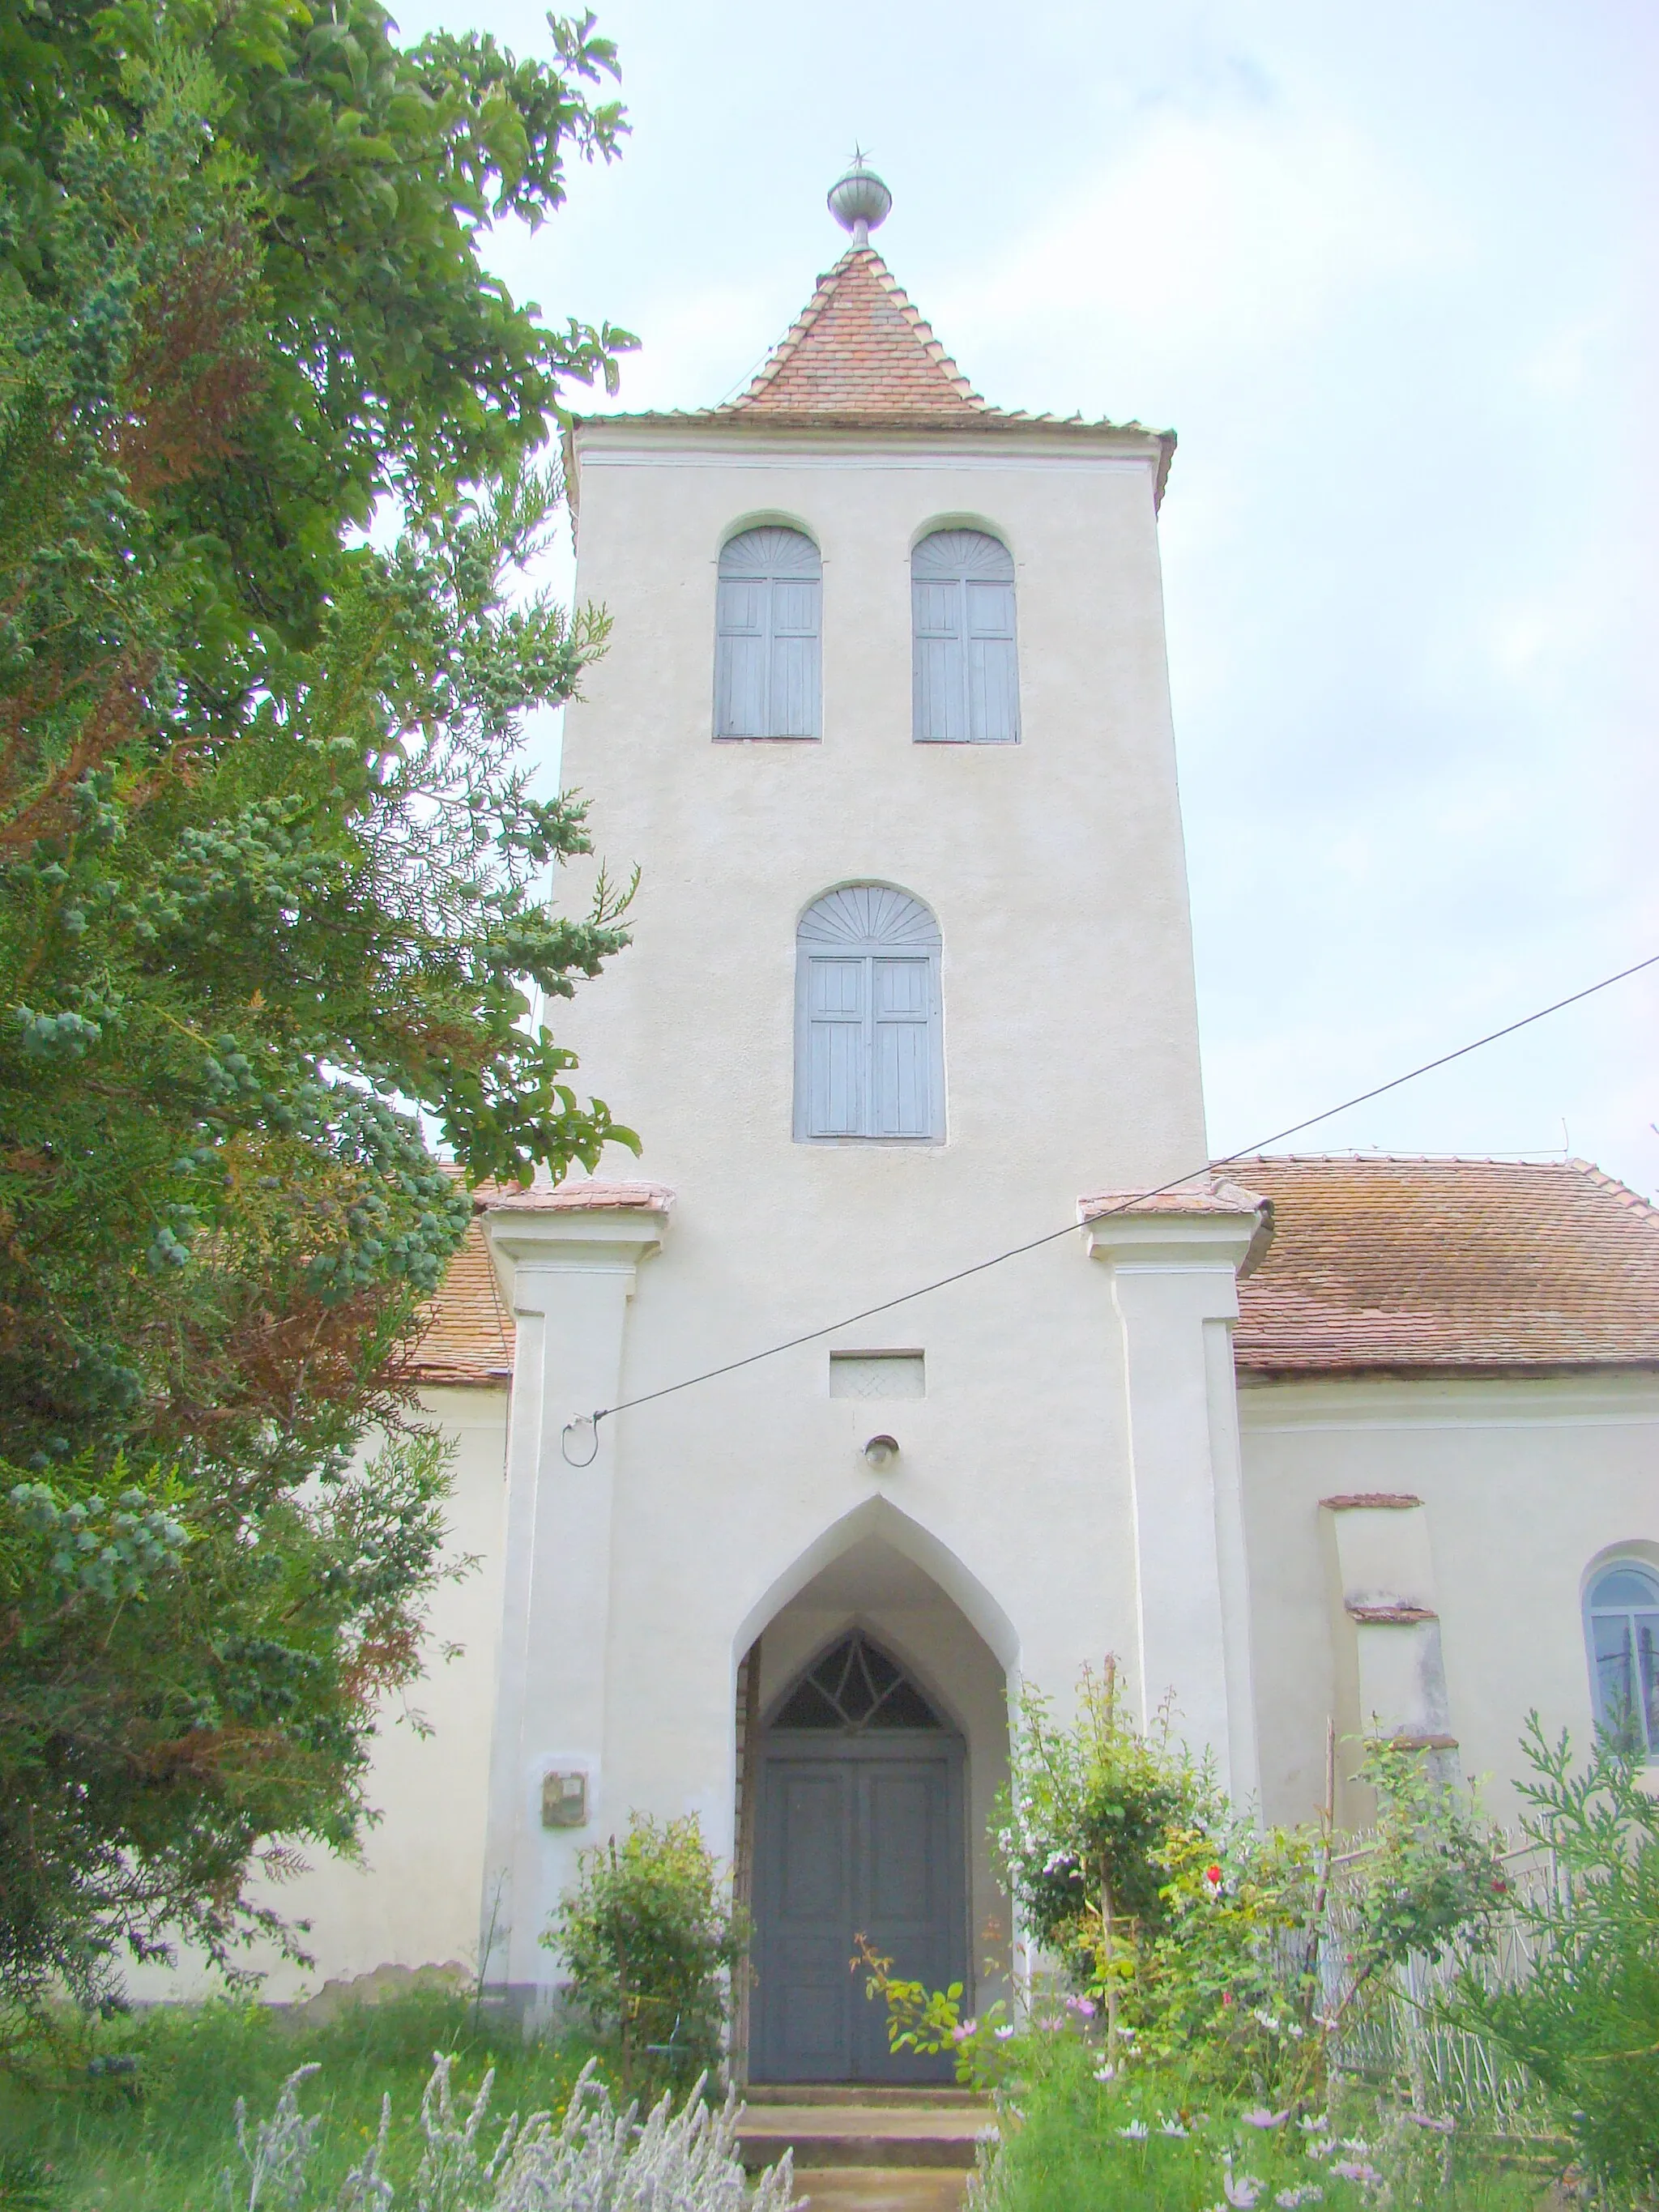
column 273, row 877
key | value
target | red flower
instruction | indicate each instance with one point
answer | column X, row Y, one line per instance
column 1213, row 1874
column 1226, row 1996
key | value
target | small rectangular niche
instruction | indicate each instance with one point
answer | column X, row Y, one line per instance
column 877, row 1375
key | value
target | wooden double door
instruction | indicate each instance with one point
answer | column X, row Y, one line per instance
column 860, row 1834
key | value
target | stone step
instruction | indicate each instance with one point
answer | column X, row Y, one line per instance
column 864, row 2134
column 885, row 2189
column 927, row 2095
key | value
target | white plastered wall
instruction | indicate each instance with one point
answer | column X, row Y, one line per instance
column 1525, row 1486
column 1055, row 870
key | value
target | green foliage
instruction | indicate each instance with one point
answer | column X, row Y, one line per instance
column 399, row 365
column 273, row 884
column 179, row 1679
column 1197, row 1931
column 158, row 2138
column 1157, row 2141
column 651, row 1939
column 1079, row 1829
column 1585, row 2021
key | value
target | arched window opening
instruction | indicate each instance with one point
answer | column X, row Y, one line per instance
column 965, row 670
column 767, row 619
column 1623, row 1612
column 854, row 1687
column 869, row 1038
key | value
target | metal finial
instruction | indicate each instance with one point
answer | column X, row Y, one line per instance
column 860, row 201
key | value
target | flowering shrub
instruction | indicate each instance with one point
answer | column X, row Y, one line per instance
column 1196, row 1932
column 682, row 2161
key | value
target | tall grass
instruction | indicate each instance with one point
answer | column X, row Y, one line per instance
column 79, row 2137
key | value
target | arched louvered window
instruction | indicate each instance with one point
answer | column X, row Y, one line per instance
column 869, row 1037
column 964, row 669
column 766, row 651
column 1622, row 1612
column 856, row 1686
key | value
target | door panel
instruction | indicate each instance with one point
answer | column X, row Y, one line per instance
column 851, row 1841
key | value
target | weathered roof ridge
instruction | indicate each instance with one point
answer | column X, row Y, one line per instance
column 859, row 332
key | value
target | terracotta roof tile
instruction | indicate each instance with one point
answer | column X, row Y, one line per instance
column 859, row 346
column 469, row 1338
column 1465, row 1266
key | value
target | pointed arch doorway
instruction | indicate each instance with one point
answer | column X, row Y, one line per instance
column 859, row 1830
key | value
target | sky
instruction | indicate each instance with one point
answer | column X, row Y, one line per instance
column 1390, row 274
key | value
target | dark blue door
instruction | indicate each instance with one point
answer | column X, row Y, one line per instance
column 860, row 1831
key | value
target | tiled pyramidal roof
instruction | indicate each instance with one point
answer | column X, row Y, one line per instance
column 859, row 348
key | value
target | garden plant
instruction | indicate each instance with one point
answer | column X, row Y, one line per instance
column 651, row 1941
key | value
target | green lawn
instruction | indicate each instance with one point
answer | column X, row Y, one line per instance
column 156, row 2140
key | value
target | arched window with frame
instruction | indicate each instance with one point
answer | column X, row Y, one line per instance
column 869, row 1029
column 767, row 675
column 1621, row 1611
column 965, row 665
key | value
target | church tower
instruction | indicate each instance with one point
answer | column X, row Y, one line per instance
column 885, row 723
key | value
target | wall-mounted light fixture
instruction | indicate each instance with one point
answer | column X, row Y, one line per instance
column 881, row 1451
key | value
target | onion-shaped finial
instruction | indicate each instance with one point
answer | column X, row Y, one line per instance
column 860, row 201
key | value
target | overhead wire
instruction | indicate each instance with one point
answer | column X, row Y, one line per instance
column 1053, row 1236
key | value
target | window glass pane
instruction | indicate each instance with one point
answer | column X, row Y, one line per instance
column 856, row 1686
column 1625, row 1586
column 1614, row 1680
column 1647, row 1669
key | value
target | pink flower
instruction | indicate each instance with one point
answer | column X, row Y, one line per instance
column 1084, row 2007
column 1261, row 2118
column 1347, row 2170
column 1440, row 2127
column 1241, row 2193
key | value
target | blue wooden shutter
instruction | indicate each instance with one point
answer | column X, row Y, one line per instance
column 869, row 1035
column 966, row 679
column 936, row 610
column 741, row 656
column 767, row 672
column 837, row 1013
column 992, row 679
column 901, row 1049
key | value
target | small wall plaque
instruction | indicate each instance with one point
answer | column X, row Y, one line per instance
column 564, row 1801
